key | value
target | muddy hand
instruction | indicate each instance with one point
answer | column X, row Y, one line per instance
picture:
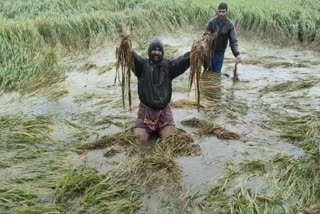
column 238, row 59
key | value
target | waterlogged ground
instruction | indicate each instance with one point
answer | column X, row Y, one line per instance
column 41, row 132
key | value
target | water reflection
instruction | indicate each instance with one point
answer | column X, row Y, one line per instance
column 211, row 91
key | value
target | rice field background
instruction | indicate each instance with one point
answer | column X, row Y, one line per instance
column 35, row 34
column 256, row 147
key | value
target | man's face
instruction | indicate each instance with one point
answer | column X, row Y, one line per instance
column 222, row 13
column 156, row 54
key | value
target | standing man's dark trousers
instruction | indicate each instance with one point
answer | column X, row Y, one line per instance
column 217, row 62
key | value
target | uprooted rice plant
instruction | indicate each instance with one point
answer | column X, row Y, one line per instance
column 202, row 50
column 125, row 63
column 207, row 128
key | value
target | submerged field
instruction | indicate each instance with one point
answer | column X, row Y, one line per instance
column 256, row 142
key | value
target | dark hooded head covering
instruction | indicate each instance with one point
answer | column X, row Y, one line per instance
column 155, row 43
column 223, row 6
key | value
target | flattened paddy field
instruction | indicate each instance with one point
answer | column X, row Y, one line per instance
column 66, row 142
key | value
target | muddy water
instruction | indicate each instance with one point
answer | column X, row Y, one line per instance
column 92, row 108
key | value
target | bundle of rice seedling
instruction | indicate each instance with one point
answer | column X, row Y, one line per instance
column 202, row 50
column 125, row 62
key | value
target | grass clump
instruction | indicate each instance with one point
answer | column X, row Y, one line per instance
column 85, row 97
column 179, row 144
column 24, row 137
column 289, row 86
column 207, row 128
column 109, row 152
column 186, row 104
column 126, row 139
column 38, row 209
column 114, row 192
column 22, row 200
column 75, row 183
column 118, row 192
column 19, row 131
column 295, row 128
column 257, row 165
column 159, row 168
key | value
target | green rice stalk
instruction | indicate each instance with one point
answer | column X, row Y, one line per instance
column 159, row 168
column 75, row 183
column 118, row 192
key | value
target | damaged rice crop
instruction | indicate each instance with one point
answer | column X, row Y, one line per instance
column 56, row 95
column 289, row 86
column 185, row 104
column 21, row 200
column 207, row 128
column 159, row 168
column 126, row 139
column 295, row 183
column 107, row 68
column 255, row 166
column 118, row 192
column 179, row 144
column 295, row 128
column 24, row 137
column 85, row 97
column 75, row 183
column 19, row 130
column 109, row 152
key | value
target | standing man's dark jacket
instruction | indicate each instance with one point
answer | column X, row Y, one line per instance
column 155, row 80
column 226, row 31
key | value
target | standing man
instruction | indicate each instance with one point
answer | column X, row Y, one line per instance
column 226, row 31
column 155, row 75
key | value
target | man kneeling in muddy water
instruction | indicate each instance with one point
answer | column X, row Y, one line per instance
column 155, row 76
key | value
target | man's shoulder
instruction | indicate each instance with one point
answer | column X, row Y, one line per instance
column 229, row 22
column 214, row 19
